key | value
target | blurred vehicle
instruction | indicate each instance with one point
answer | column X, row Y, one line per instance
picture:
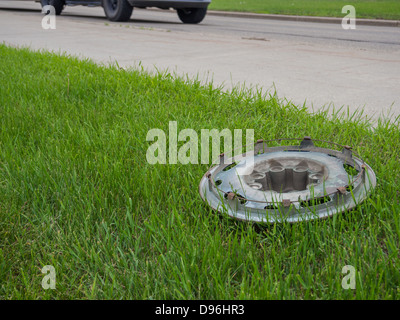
column 192, row 11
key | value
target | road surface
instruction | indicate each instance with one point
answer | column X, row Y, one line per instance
column 318, row 64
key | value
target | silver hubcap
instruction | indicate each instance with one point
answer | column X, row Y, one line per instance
column 288, row 183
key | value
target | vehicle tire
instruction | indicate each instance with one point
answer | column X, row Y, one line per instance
column 193, row 16
column 117, row 10
column 57, row 4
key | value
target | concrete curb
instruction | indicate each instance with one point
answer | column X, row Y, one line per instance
column 365, row 22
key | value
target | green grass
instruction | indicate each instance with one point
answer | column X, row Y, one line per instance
column 77, row 193
column 372, row 9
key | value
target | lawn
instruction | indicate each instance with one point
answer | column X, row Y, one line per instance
column 77, row 193
column 372, row 9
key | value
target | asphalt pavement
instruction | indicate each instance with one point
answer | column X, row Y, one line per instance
column 318, row 64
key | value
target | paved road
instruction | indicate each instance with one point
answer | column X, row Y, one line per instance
column 312, row 63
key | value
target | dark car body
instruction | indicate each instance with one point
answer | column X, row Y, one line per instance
column 189, row 11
